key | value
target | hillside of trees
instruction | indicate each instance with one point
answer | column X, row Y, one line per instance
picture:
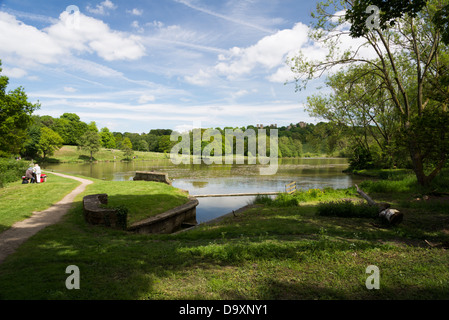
column 294, row 140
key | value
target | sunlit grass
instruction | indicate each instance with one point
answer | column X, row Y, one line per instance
column 267, row 252
column 18, row 201
column 142, row 198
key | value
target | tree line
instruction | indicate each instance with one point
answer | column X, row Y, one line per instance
column 46, row 134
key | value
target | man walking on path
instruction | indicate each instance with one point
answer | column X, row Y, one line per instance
column 12, row 238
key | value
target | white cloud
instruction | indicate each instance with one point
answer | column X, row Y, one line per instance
column 269, row 52
column 26, row 45
column 70, row 89
column 145, row 98
column 94, row 35
column 201, row 78
column 14, row 72
column 135, row 12
column 102, row 8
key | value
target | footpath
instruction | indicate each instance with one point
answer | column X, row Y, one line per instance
column 12, row 238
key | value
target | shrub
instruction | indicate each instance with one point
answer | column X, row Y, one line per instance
column 346, row 208
column 11, row 170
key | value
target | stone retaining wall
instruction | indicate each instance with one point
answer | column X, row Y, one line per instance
column 152, row 176
column 169, row 221
column 95, row 214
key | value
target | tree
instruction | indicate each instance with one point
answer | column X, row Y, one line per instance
column 165, row 145
column 359, row 102
column 407, row 55
column 142, row 145
column 31, row 146
column 15, row 117
column 49, row 142
column 392, row 10
column 92, row 126
column 127, row 148
column 107, row 138
column 72, row 128
column 90, row 142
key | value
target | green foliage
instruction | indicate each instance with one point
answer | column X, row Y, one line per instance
column 360, row 159
column 90, row 141
column 107, row 138
column 304, row 196
column 389, row 11
column 121, row 214
column 346, row 209
column 127, row 148
column 15, row 117
column 11, row 170
column 31, row 146
column 49, row 142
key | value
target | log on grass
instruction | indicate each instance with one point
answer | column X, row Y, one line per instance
column 393, row 216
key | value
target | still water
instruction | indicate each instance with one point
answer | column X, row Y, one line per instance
column 223, row 179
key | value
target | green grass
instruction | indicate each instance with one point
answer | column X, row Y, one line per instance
column 18, row 201
column 142, row 198
column 72, row 154
column 268, row 252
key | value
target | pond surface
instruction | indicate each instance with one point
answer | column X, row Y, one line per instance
column 223, row 179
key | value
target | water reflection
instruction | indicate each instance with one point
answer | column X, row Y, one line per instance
column 221, row 179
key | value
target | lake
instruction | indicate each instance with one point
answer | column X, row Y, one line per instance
column 223, row 179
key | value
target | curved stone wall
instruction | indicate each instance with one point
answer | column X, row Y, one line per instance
column 152, row 176
column 169, row 221
column 95, row 214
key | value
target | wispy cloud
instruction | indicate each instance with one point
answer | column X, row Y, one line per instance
column 102, row 8
column 225, row 17
column 30, row 16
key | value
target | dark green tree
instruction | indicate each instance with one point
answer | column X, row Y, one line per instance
column 15, row 117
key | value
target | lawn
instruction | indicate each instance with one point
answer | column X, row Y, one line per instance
column 72, row 154
column 142, row 198
column 18, row 201
column 271, row 251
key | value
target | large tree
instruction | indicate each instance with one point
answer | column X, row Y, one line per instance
column 407, row 54
column 90, row 142
column 49, row 142
column 15, row 117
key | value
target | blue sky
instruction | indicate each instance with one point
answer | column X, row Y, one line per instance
column 140, row 65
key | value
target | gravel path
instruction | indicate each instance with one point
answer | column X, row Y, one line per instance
column 12, row 238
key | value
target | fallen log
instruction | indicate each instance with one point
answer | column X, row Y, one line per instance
column 393, row 216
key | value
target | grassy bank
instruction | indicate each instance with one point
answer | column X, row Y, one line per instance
column 283, row 250
column 142, row 198
column 72, row 154
column 18, row 201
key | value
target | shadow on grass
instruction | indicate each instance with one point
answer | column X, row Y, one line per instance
column 122, row 265
column 49, row 160
column 86, row 158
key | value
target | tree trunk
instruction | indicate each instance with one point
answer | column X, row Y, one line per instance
column 393, row 216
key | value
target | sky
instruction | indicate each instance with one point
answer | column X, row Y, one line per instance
column 133, row 66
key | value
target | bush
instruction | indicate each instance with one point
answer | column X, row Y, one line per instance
column 11, row 170
column 347, row 209
column 301, row 196
column 360, row 159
